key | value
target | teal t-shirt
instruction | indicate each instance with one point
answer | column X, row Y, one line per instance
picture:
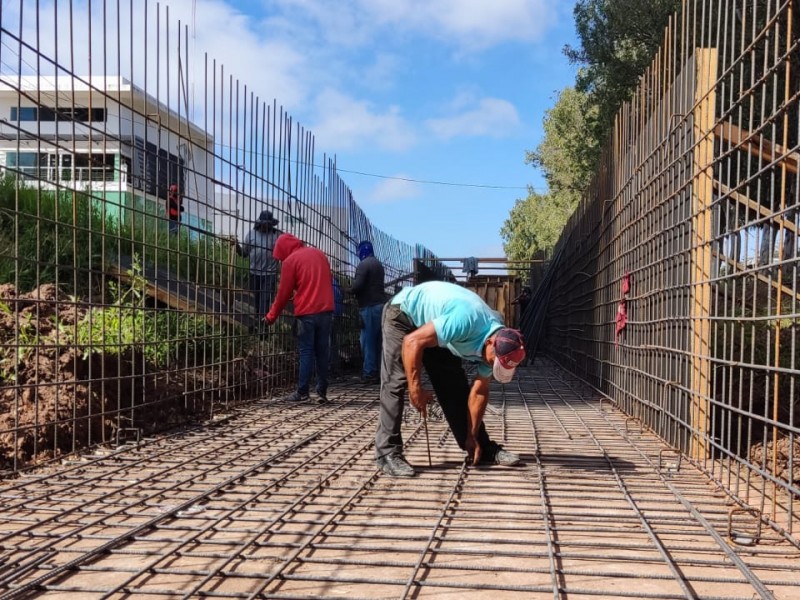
column 463, row 321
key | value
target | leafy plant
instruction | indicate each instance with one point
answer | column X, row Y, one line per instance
column 18, row 345
column 129, row 325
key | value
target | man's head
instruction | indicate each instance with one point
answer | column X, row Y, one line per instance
column 506, row 350
column 265, row 220
column 365, row 249
column 285, row 245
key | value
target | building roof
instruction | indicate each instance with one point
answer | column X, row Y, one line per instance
column 113, row 87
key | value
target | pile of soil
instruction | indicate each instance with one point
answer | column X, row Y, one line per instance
column 762, row 455
column 55, row 400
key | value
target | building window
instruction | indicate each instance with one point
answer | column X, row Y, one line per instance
column 29, row 165
column 80, row 167
column 62, row 113
column 24, row 113
column 154, row 169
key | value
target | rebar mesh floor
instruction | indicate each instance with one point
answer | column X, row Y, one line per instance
column 284, row 501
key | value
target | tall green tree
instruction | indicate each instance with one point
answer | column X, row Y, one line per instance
column 618, row 39
column 567, row 155
column 535, row 223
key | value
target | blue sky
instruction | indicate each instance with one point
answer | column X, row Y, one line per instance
column 442, row 90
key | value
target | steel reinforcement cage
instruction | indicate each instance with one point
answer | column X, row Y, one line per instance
column 116, row 320
column 674, row 288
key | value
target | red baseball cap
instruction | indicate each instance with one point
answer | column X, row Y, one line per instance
column 509, row 349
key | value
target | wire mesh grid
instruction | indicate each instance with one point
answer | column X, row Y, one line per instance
column 283, row 500
column 674, row 288
column 132, row 169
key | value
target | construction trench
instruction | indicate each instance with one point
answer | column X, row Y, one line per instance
column 278, row 500
column 144, row 452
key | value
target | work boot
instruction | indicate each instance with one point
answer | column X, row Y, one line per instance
column 395, row 465
column 321, row 397
column 296, row 397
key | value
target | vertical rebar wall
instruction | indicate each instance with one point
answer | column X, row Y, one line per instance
column 116, row 320
column 675, row 286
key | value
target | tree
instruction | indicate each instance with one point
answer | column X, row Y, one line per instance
column 618, row 40
column 569, row 151
column 568, row 157
column 535, row 223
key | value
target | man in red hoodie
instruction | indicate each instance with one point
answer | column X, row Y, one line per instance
column 306, row 273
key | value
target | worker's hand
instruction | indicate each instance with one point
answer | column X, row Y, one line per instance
column 473, row 449
column 269, row 318
column 419, row 399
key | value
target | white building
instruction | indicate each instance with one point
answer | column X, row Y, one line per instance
column 106, row 136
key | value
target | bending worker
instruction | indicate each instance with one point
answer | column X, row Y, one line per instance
column 438, row 324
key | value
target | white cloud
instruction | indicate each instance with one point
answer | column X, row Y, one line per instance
column 469, row 24
column 391, row 190
column 347, row 123
column 303, row 53
column 491, row 117
column 149, row 55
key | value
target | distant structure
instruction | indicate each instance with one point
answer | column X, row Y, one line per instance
column 106, row 136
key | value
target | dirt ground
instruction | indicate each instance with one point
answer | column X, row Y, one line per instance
column 57, row 399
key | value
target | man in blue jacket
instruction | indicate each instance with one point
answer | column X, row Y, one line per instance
column 438, row 325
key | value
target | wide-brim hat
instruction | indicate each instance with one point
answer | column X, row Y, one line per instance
column 266, row 217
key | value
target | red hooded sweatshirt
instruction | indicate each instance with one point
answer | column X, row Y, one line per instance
column 306, row 272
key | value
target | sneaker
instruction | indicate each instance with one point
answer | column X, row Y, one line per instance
column 321, row 397
column 505, row 458
column 395, row 465
column 370, row 379
column 296, row 397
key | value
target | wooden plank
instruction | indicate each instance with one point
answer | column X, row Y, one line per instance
column 762, row 210
column 701, row 248
column 742, row 269
column 186, row 296
column 757, row 145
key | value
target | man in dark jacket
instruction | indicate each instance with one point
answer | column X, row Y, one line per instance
column 305, row 272
column 523, row 300
column 369, row 291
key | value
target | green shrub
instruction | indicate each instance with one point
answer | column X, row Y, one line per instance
column 160, row 336
column 64, row 237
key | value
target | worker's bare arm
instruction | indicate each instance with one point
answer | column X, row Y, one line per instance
column 476, row 404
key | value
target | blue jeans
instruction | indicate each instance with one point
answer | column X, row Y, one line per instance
column 371, row 339
column 313, row 344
